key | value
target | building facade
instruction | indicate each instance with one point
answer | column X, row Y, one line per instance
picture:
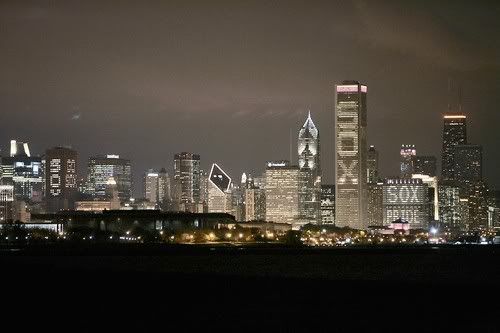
column 407, row 154
column 351, row 155
column 328, row 204
column 372, row 165
column 101, row 169
column 151, row 186
column 60, row 178
column 310, row 165
column 424, row 165
column 187, row 182
column 219, row 191
column 454, row 133
column 406, row 199
column 282, row 192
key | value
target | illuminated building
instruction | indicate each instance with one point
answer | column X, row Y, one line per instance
column 372, row 165
column 493, row 217
column 255, row 204
column 328, row 204
column 433, row 193
column 101, row 168
column 478, row 206
column 351, row 155
column 23, row 171
column 282, row 192
column 164, row 189
column 424, row 165
column 60, row 178
column 219, row 191
column 468, row 166
column 375, row 209
column 187, row 182
column 151, row 186
column 407, row 154
column 454, row 133
column 406, row 199
column 6, row 202
column 309, row 163
column 449, row 205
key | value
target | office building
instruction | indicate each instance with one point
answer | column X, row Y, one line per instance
column 454, row 133
column 375, row 209
column 468, row 161
column 24, row 172
column 406, row 199
column 310, row 164
column 60, row 178
column 328, row 204
column 164, row 189
column 372, row 165
column 151, row 186
column 449, row 205
column 407, row 154
column 219, row 191
column 255, row 204
column 283, row 183
column 351, row 155
column 187, row 182
column 424, row 165
column 101, row 169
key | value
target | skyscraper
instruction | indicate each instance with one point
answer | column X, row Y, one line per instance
column 328, row 204
column 60, row 178
column 23, row 171
column 187, row 182
column 372, row 165
column 351, row 155
column 407, row 154
column 282, row 192
column 449, row 205
column 102, row 168
column 375, row 210
column 468, row 165
column 454, row 133
column 219, row 191
column 164, row 189
column 151, row 186
column 424, row 165
column 309, row 163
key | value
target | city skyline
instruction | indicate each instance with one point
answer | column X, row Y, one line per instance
column 181, row 76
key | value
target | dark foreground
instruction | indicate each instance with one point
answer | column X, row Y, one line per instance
column 144, row 288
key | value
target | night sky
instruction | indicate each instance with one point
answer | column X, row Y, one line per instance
column 229, row 79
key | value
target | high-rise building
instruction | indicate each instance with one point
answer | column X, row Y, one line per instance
column 255, row 204
column 449, row 205
column 433, row 193
column 151, row 186
column 375, row 210
column 6, row 202
column 328, row 204
column 283, row 183
column 424, row 165
column 372, row 165
column 164, row 189
column 310, row 165
column 454, row 133
column 407, row 154
column 23, row 171
column 406, row 199
column 351, row 155
column 478, row 206
column 219, row 191
column 187, row 182
column 60, row 178
column 101, row 169
column 468, row 166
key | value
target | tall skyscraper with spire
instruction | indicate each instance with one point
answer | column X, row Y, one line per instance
column 351, row 155
column 310, row 167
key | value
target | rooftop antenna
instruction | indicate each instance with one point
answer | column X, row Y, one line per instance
column 291, row 145
column 460, row 99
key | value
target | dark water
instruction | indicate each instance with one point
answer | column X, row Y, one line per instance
column 255, row 288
